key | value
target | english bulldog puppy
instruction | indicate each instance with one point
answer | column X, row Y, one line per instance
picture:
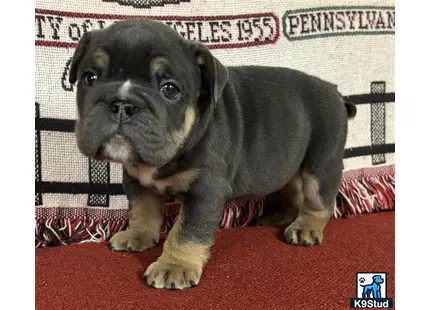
column 181, row 123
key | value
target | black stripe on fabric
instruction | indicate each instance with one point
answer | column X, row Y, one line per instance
column 116, row 189
column 53, row 124
column 38, row 160
column 371, row 98
column 79, row 188
column 68, row 125
column 369, row 150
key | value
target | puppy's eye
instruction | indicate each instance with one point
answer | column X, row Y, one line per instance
column 89, row 79
column 170, row 91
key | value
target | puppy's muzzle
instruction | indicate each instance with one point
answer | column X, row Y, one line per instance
column 122, row 111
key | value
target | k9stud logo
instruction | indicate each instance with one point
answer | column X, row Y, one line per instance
column 371, row 291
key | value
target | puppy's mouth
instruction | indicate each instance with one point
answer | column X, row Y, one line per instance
column 116, row 149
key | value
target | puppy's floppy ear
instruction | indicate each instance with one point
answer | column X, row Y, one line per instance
column 214, row 74
column 78, row 55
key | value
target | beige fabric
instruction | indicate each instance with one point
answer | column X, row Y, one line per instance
column 353, row 47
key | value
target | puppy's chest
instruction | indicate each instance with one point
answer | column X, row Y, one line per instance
column 173, row 184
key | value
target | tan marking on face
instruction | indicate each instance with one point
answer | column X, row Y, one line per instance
column 100, row 59
column 180, row 136
column 177, row 138
column 147, row 215
column 158, row 65
column 177, row 183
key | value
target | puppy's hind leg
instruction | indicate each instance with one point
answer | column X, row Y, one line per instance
column 291, row 198
column 319, row 193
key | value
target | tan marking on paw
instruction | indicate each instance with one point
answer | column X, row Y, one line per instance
column 147, row 212
column 146, row 218
column 172, row 276
column 307, row 229
column 311, row 193
column 181, row 263
column 302, row 193
column 133, row 240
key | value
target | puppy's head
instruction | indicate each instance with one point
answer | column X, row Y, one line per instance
column 142, row 91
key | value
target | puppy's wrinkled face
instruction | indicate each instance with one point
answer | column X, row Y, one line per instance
column 138, row 84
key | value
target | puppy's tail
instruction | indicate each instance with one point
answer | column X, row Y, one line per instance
column 351, row 109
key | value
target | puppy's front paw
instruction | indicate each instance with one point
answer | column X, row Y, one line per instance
column 172, row 276
column 133, row 240
column 299, row 233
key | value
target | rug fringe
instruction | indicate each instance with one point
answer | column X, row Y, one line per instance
column 54, row 231
column 365, row 194
column 59, row 231
column 358, row 194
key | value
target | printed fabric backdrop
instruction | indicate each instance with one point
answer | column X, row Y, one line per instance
column 349, row 43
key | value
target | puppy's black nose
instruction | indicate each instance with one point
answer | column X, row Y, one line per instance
column 122, row 111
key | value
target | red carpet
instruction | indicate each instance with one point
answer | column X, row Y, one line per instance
column 251, row 268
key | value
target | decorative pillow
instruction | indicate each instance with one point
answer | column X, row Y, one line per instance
column 352, row 46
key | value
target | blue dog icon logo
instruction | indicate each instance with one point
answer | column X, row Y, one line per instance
column 373, row 290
